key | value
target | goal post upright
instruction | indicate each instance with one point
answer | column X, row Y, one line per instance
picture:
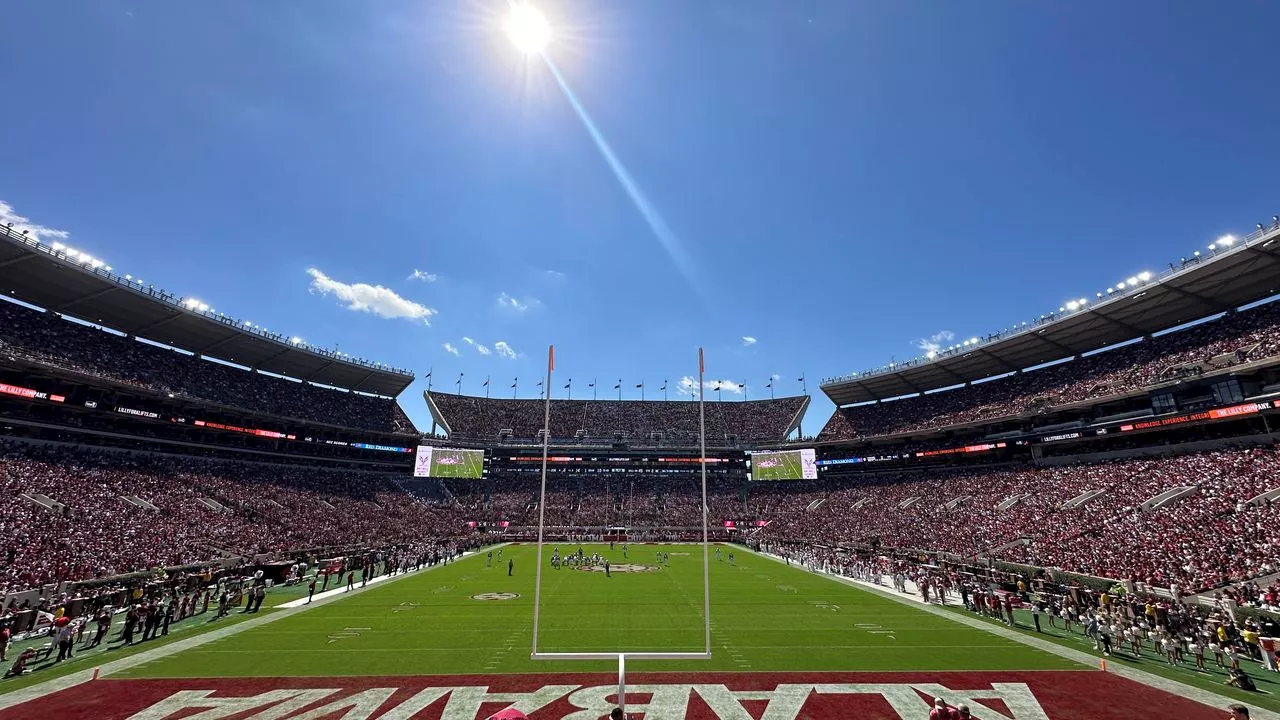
column 542, row 495
column 702, row 463
column 622, row 657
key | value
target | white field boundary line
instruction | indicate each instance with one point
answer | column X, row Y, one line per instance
column 32, row 692
column 1190, row 692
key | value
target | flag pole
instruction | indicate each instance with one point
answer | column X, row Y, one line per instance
column 706, row 560
column 542, row 498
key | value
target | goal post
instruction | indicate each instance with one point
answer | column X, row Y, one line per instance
column 621, row 656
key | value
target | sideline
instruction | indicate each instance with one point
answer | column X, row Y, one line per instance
column 33, row 692
column 1174, row 687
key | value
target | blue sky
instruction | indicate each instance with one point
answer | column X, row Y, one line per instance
column 843, row 179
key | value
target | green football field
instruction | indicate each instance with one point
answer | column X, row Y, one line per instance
column 789, row 467
column 457, row 463
column 451, row 620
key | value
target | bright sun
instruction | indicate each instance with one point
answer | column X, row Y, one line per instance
column 528, row 28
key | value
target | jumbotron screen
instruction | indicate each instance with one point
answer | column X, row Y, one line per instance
column 448, row 462
column 785, row 465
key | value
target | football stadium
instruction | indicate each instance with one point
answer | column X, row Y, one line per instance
column 1072, row 517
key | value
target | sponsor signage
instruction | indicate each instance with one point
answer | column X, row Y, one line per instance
column 384, row 448
column 569, row 458
column 866, row 459
column 983, row 447
column 246, row 431
column 1061, row 436
column 1216, row 414
column 29, row 394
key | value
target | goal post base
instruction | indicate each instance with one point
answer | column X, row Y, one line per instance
column 622, row 663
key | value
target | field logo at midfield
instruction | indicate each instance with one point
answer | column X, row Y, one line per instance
column 496, row 596
column 623, row 568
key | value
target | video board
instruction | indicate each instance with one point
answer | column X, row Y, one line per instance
column 785, row 465
column 448, row 462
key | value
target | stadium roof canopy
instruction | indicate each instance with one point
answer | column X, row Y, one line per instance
column 1243, row 272
column 61, row 280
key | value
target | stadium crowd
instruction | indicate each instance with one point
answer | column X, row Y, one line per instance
column 676, row 420
column 199, row 509
column 48, row 339
column 635, row 499
column 1234, row 338
column 1208, row 537
column 70, row 513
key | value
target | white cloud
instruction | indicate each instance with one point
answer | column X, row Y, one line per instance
column 504, row 350
column 34, row 230
column 688, row 385
column 450, row 348
column 512, row 303
column 935, row 342
column 379, row 300
column 748, row 340
column 479, row 348
column 423, row 276
column 555, row 274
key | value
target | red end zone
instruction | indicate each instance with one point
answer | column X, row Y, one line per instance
column 1042, row 695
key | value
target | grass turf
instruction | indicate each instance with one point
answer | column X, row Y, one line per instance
column 766, row 617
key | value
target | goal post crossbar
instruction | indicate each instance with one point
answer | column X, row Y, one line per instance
column 615, row 655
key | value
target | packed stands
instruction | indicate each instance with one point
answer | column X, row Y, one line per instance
column 75, row 514
column 677, row 421
column 48, row 339
column 635, row 499
column 70, row 514
column 1204, row 539
column 1235, row 338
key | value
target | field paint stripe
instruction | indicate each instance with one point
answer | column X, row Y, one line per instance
column 611, row 648
column 1174, row 687
column 39, row 690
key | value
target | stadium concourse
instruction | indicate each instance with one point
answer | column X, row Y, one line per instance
column 1129, row 490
